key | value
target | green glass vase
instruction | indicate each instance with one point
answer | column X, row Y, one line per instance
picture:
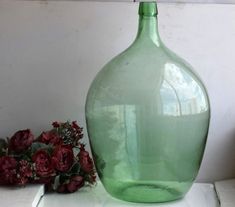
column 147, row 116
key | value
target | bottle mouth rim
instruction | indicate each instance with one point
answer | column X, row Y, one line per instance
column 148, row 9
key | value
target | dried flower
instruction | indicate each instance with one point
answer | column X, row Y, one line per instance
column 48, row 159
column 24, row 172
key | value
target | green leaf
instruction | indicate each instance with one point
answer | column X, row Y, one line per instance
column 38, row 145
column 75, row 169
column 63, row 179
column 3, row 143
column 3, row 147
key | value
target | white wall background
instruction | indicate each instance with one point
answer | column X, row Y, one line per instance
column 51, row 51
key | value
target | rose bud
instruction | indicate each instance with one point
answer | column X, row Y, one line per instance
column 75, row 183
column 43, row 164
column 56, row 124
column 21, row 141
column 78, row 129
column 75, row 125
column 50, row 137
column 63, row 158
column 7, row 170
column 85, row 161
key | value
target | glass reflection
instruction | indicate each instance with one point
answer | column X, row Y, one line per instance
column 180, row 93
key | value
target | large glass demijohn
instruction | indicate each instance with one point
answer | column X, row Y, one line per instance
column 147, row 117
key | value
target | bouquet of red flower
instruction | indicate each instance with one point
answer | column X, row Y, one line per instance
column 57, row 158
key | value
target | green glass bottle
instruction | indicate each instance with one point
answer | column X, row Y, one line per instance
column 147, row 118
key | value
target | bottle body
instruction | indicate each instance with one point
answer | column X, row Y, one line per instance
column 147, row 118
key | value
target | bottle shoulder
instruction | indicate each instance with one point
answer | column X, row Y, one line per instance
column 145, row 57
column 155, row 72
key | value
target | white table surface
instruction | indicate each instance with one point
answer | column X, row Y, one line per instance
column 200, row 195
column 28, row 196
column 226, row 192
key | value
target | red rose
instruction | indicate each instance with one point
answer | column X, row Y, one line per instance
column 21, row 141
column 43, row 164
column 50, row 137
column 85, row 161
column 7, row 170
column 63, row 158
column 75, row 183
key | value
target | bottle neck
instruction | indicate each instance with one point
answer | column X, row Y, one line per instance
column 148, row 25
